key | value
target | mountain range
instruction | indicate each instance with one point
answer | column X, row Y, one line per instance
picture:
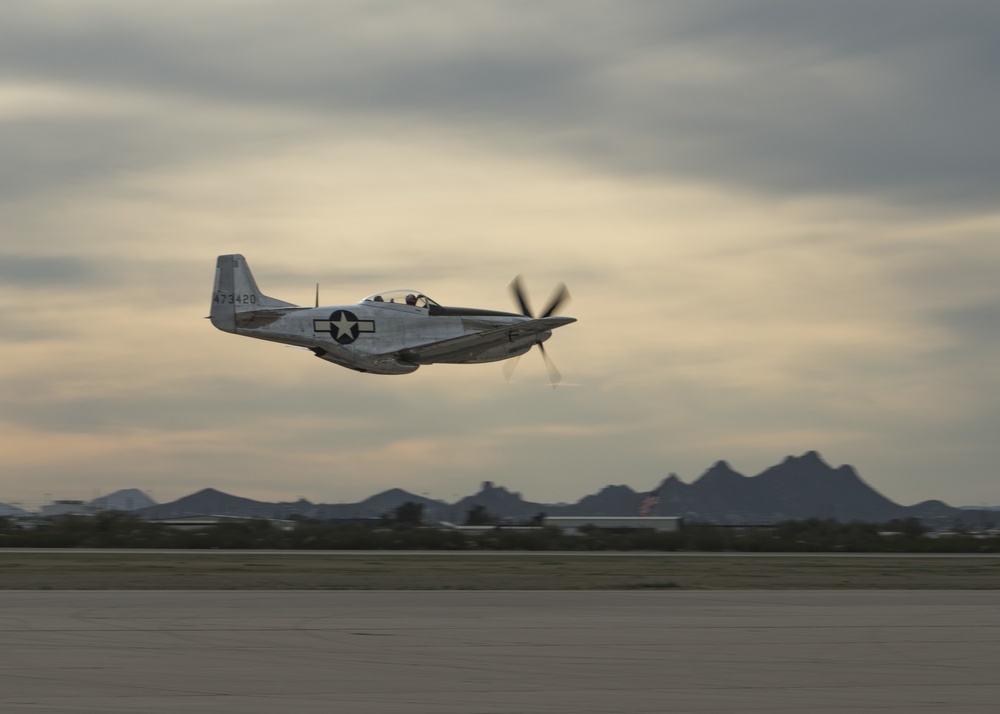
column 798, row 488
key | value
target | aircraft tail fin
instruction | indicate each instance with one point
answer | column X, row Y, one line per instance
column 236, row 292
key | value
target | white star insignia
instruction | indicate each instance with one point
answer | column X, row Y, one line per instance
column 343, row 326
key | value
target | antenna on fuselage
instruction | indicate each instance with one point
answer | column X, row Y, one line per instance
column 317, row 294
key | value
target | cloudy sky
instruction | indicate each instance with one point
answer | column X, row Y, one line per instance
column 778, row 221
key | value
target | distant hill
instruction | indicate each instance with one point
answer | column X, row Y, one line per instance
column 499, row 502
column 211, row 502
column 610, row 501
column 7, row 510
column 379, row 505
column 798, row 488
column 127, row 499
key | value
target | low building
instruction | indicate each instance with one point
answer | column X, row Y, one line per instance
column 191, row 523
column 575, row 523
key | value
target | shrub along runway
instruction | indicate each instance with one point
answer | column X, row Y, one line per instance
column 381, row 570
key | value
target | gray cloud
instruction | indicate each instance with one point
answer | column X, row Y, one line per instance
column 977, row 325
column 897, row 99
column 189, row 404
column 38, row 272
column 46, row 154
column 894, row 102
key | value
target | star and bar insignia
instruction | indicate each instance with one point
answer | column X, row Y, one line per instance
column 344, row 326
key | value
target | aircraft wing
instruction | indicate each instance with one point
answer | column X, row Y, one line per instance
column 480, row 340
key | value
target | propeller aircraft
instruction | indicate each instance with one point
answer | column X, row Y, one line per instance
column 393, row 332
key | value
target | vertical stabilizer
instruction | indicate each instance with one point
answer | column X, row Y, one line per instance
column 236, row 292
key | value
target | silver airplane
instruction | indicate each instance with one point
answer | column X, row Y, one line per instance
column 393, row 332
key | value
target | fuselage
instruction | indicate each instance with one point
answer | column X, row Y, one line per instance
column 374, row 335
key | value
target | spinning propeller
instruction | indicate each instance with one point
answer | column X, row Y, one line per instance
column 560, row 296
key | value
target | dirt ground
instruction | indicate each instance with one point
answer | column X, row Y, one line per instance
column 199, row 570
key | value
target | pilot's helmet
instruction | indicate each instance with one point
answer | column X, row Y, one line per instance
column 411, row 299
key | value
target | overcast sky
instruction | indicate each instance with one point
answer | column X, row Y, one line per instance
column 778, row 221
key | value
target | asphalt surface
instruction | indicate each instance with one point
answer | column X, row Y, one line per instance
column 500, row 652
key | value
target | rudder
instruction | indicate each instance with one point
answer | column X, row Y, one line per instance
column 236, row 291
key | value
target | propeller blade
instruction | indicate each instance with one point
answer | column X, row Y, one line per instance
column 509, row 365
column 561, row 295
column 517, row 290
column 554, row 375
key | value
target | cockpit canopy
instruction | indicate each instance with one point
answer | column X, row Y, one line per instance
column 413, row 298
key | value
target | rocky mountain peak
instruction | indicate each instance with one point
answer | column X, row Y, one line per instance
column 720, row 473
column 799, row 487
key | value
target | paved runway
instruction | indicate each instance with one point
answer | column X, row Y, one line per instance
column 500, row 652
